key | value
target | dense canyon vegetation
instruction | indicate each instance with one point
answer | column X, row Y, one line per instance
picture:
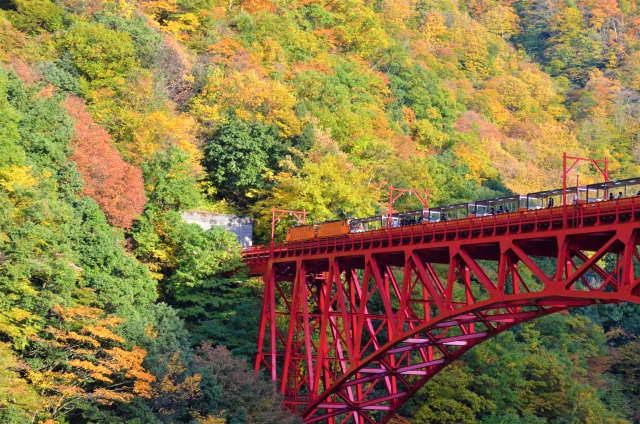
column 115, row 115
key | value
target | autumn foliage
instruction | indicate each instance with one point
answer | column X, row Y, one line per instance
column 109, row 180
column 239, row 106
column 97, row 368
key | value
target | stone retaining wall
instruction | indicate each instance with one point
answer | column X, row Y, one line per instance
column 241, row 227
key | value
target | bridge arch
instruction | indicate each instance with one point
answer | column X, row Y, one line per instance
column 351, row 328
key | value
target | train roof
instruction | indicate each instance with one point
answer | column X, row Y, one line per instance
column 318, row 223
column 617, row 183
column 546, row 193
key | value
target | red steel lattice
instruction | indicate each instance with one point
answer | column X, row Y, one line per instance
column 353, row 326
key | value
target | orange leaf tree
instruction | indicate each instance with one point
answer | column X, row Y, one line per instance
column 109, row 180
column 88, row 362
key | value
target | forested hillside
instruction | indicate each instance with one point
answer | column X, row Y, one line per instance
column 115, row 115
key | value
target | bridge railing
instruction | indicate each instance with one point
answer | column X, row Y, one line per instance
column 585, row 214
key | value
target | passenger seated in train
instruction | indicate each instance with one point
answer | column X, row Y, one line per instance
column 620, row 196
column 550, row 203
column 500, row 210
column 611, row 196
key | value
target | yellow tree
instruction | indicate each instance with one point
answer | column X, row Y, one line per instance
column 433, row 26
column 487, row 102
column 251, row 98
column 14, row 390
column 502, row 21
column 167, row 14
column 327, row 186
column 176, row 388
column 359, row 28
column 398, row 11
column 257, row 5
column 513, row 94
column 93, row 366
column 160, row 129
column 473, row 45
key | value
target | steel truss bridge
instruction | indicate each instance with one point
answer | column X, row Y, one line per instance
column 351, row 327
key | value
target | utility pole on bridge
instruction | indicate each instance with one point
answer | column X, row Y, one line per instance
column 565, row 172
column 423, row 197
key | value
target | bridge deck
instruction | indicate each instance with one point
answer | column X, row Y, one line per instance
column 586, row 215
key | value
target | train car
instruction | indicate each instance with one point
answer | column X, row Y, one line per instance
column 322, row 230
column 362, row 225
column 432, row 215
column 304, row 232
column 332, row 228
column 403, row 219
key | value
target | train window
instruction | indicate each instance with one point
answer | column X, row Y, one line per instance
column 511, row 204
column 534, row 203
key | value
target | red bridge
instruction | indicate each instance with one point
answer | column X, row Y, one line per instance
column 352, row 326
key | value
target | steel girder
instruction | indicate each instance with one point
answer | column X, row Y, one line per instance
column 351, row 336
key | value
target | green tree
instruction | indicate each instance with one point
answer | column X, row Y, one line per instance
column 45, row 127
column 198, row 287
column 118, row 279
column 240, row 155
column 246, row 397
column 10, row 153
column 146, row 41
column 56, row 249
column 327, row 186
column 449, row 399
column 36, row 16
column 169, row 181
column 102, row 55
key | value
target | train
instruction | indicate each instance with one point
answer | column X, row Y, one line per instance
column 580, row 195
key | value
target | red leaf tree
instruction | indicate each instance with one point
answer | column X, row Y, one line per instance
column 116, row 186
